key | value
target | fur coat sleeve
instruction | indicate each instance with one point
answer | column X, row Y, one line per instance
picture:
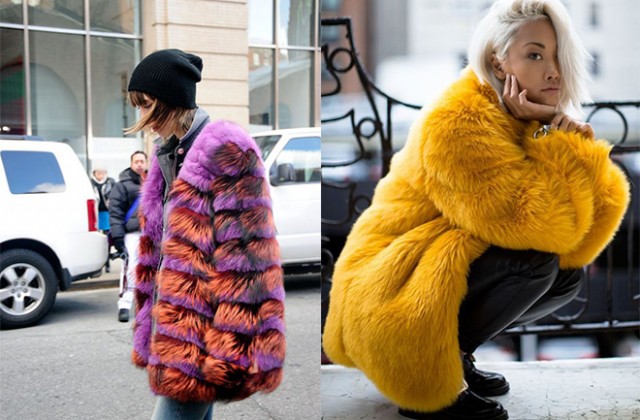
column 209, row 295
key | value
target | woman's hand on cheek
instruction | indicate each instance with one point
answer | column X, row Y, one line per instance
column 520, row 107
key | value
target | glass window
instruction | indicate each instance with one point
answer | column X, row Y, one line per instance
column 32, row 172
column 12, row 87
column 112, row 61
column 113, row 16
column 296, row 23
column 11, row 11
column 261, row 22
column 331, row 5
column 58, row 89
column 295, row 74
column 261, row 87
column 266, row 144
column 288, row 101
column 57, row 13
column 299, row 162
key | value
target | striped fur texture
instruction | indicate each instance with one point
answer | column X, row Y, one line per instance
column 215, row 331
column 469, row 176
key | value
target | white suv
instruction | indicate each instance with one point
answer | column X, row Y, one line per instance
column 292, row 162
column 48, row 235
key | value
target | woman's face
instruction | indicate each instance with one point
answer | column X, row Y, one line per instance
column 146, row 108
column 533, row 59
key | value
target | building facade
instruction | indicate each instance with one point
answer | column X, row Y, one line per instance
column 65, row 65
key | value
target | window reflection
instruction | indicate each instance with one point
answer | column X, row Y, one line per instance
column 113, row 15
column 10, row 11
column 299, row 161
column 296, row 23
column 32, row 172
column 266, row 144
column 260, row 22
column 295, row 71
column 58, row 88
column 57, row 13
column 261, row 87
column 112, row 61
column 290, row 100
column 12, row 88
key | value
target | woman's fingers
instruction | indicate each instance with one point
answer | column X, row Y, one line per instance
column 522, row 97
column 564, row 122
column 557, row 119
column 567, row 124
column 507, row 87
column 514, row 87
column 586, row 130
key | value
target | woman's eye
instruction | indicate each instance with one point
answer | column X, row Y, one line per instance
column 535, row 56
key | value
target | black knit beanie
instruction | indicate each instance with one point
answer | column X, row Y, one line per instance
column 169, row 75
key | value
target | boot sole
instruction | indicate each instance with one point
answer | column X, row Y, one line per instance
column 491, row 392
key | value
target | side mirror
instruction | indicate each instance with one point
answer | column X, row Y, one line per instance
column 284, row 173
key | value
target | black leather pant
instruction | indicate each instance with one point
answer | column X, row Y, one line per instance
column 508, row 288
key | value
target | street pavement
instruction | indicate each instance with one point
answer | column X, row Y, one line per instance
column 592, row 389
column 76, row 363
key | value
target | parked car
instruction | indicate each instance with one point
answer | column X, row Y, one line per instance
column 49, row 235
column 561, row 348
column 292, row 163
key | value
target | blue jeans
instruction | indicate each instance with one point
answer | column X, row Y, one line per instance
column 169, row 409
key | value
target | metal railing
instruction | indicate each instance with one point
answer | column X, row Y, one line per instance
column 616, row 267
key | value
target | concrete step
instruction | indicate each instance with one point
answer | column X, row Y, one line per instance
column 563, row 389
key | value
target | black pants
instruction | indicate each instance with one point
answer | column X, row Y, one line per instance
column 508, row 288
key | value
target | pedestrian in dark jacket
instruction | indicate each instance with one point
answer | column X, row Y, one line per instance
column 125, row 226
column 210, row 299
column 102, row 186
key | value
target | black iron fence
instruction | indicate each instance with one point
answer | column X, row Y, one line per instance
column 610, row 299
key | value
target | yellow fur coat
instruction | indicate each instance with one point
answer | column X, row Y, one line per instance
column 469, row 176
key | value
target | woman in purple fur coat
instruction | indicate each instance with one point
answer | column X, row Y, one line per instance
column 210, row 299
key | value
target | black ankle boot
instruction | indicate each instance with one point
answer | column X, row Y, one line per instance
column 468, row 406
column 485, row 384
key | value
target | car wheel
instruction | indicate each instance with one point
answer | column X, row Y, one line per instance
column 28, row 287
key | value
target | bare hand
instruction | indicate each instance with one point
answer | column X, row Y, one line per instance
column 564, row 122
column 520, row 107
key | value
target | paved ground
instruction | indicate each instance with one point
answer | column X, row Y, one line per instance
column 76, row 363
column 572, row 389
column 75, row 366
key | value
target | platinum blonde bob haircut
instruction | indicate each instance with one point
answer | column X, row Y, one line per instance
column 495, row 34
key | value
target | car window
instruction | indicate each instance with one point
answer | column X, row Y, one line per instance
column 32, row 172
column 266, row 144
column 299, row 161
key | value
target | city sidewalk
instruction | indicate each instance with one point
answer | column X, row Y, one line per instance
column 567, row 389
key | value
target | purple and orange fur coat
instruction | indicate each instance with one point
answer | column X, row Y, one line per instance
column 210, row 297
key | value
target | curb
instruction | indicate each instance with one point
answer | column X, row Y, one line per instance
column 93, row 284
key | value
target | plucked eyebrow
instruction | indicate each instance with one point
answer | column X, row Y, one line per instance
column 538, row 44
